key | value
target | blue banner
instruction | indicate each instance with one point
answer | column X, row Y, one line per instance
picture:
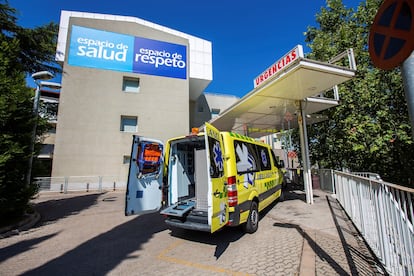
column 112, row 51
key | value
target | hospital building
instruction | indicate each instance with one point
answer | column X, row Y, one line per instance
column 123, row 76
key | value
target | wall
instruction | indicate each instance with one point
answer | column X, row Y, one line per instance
column 88, row 136
column 202, row 108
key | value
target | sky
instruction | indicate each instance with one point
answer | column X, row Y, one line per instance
column 246, row 36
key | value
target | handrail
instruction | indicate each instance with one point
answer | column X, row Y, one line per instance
column 383, row 213
column 66, row 184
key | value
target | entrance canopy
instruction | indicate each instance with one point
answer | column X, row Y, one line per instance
column 288, row 94
column 273, row 105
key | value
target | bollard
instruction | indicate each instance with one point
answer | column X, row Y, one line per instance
column 100, row 184
column 114, row 186
column 61, row 188
column 87, row 187
column 65, row 189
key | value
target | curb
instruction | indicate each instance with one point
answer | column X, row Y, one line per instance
column 23, row 225
column 308, row 259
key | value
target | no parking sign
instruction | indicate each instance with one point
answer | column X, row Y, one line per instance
column 391, row 38
column 391, row 43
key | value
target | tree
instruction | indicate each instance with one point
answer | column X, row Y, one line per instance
column 22, row 51
column 370, row 129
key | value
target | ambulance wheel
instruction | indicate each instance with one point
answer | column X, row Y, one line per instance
column 253, row 221
column 282, row 195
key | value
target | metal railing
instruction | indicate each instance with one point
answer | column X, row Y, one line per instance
column 383, row 213
column 369, row 175
column 67, row 184
column 349, row 53
column 326, row 180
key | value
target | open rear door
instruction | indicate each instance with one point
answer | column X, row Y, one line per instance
column 144, row 186
column 218, row 211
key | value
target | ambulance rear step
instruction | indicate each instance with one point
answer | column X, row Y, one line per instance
column 192, row 223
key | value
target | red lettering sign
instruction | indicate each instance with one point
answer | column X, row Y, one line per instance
column 282, row 63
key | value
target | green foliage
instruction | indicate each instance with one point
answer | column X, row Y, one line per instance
column 15, row 129
column 16, row 117
column 36, row 46
column 370, row 129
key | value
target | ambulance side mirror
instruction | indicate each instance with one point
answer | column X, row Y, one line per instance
column 281, row 164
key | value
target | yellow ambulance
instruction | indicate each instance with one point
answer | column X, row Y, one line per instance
column 203, row 181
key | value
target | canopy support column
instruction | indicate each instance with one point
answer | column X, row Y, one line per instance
column 307, row 178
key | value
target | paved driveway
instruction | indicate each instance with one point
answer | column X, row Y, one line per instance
column 88, row 234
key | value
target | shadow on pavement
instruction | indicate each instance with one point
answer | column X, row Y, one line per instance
column 98, row 256
column 357, row 259
column 15, row 249
column 221, row 239
column 55, row 209
column 291, row 194
column 315, row 247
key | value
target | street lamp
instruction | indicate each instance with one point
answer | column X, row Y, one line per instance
column 40, row 80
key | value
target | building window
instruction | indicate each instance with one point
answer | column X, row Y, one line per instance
column 129, row 123
column 126, row 159
column 130, row 85
column 214, row 112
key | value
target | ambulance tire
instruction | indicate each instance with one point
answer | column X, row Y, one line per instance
column 282, row 195
column 253, row 221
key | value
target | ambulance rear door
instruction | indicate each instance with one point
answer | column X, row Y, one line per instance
column 218, row 210
column 144, row 186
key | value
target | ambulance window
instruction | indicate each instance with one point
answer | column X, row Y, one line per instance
column 275, row 160
column 246, row 157
column 264, row 158
column 149, row 157
column 216, row 158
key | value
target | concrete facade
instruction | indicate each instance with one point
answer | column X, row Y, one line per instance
column 89, row 138
column 209, row 105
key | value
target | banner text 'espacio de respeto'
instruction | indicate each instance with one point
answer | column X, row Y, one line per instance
column 119, row 52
